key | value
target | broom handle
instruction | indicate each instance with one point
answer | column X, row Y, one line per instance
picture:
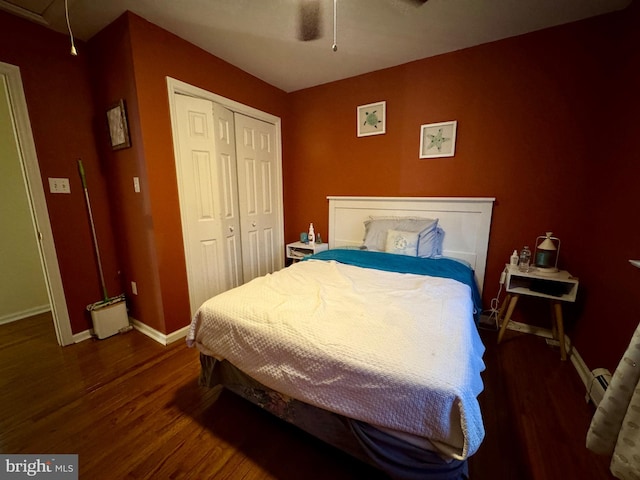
column 93, row 230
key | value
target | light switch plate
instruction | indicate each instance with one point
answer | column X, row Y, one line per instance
column 136, row 184
column 59, row 185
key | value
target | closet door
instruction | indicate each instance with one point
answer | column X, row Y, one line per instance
column 259, row 195
column 225, row 148
column 208, row 197
column 230, row 190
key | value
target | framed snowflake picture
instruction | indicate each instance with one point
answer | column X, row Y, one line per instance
column 438, row 139
column 372, row 119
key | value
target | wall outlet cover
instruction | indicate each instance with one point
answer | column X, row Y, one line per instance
column 59, row 185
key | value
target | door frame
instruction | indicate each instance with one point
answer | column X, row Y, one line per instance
column 177, row 87
column 38, row 204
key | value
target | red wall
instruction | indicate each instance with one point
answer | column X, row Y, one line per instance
column 531, row 112
column 63, row 119
column 113, row 78
column 546, row 124
column 135, row 58
column 158, row 54
column 611, row 234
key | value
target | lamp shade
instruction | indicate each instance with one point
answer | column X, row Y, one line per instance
column 546, row 256
column 547, row 243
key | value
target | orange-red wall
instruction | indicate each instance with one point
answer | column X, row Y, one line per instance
column 534, row 118
column 63, row 119
column 610, row 230
column 113, row 78
column 546, row 124
column 146, row 55
column 156, row 55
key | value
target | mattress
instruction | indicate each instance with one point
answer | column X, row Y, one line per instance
column 400, row 459
column 398, row 351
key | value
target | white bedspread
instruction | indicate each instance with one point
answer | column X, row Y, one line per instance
column 399, row 351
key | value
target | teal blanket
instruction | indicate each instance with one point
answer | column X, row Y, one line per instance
column 434, row 267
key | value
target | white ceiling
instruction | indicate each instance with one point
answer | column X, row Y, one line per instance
column 260, row 36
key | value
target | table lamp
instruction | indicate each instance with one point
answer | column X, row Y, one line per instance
column 546, row 255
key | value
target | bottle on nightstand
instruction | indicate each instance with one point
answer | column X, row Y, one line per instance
column 312, row 234
column 525, row 259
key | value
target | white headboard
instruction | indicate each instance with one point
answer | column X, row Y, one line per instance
column 465, row 221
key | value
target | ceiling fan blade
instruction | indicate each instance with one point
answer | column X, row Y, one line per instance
column 309, row 20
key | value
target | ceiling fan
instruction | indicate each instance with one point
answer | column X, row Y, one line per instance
column 310, row 19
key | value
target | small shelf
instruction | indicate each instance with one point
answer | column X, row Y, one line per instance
column 557, row 286
column 299, row 250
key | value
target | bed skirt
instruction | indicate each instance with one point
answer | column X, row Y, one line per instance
column 398, row 458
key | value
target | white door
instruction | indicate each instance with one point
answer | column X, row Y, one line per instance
column 225, row 147
column 259, row 196
column 208, row 198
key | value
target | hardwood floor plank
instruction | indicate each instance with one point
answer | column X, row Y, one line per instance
column 131, row 408
column 544, row 398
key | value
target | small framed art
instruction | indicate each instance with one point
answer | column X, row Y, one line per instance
column 438, row 139
column 372, row 119
column 118, row 128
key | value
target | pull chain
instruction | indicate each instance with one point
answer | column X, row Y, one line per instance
column 335, row 26
column 74, row 52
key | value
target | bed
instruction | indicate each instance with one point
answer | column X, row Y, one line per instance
column 374, row 352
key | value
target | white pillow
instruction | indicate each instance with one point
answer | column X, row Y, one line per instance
column 376, row 229
column 430, row 243
column 402, row 243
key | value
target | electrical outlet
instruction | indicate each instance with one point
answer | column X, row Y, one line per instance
column 134, row 288
column 59, row 185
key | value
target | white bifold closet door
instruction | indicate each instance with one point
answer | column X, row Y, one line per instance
column 229, row 197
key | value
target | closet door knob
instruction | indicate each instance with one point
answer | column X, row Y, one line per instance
column 253, row 224
column 231, row 228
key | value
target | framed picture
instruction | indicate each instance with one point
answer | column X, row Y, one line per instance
column 438, row 139
column 372, row 119
column 118, row 128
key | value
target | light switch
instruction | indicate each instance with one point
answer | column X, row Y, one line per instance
column 59, row 185
column 136, row 184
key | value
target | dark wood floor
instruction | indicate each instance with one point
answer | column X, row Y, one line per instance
column 131, row 408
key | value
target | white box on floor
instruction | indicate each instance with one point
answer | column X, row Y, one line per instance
column 110, row 319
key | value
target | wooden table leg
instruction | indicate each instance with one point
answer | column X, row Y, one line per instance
column 557, row 307
column 512, row 306
column 503, row 307
column 554, row 321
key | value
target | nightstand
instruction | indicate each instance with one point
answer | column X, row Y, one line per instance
column 557, row 287
column 299, row 250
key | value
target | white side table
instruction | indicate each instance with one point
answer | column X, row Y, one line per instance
column 298, row 250
column 557, row 287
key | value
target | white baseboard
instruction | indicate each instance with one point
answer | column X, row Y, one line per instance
column 29, row 312
column 82, row 336
column 578, row 363
column 583, row 371
column 164, row 339
column 178, row 334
